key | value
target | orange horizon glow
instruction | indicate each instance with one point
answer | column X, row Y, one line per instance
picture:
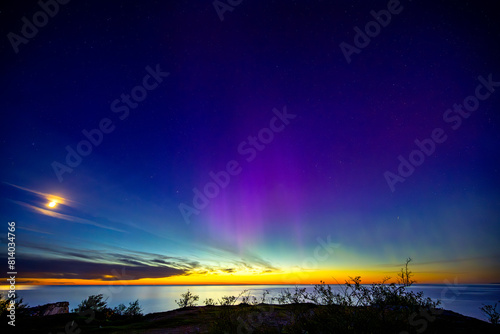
column 291, row 278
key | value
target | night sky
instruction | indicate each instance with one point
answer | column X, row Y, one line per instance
column 230, row 142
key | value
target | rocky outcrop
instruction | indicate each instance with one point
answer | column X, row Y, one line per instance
column 49, row 309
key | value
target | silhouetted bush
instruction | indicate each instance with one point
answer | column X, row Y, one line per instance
column 95, row 303
column 356, row 308
column 491, row 312
column 209, row 302
column 187, row 300
column 133, row 309
column 17, row 304
column 98, row 306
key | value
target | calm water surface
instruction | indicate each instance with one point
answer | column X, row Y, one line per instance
column 464, row 299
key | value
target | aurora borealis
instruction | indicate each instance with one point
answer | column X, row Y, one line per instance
column 179, row 148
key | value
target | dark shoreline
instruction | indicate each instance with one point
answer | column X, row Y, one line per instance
column 262, row 318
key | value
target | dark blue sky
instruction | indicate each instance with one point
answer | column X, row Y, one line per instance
column 233, row 145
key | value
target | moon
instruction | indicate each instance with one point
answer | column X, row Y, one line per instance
column 52, row 204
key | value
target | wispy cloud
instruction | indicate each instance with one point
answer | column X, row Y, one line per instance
column 33, row 230
column 455, row 261
column 72, row 263
column 246, row 260
column 128, row 258
column 76, row 269
column 53, row 261
column 69, row 218
column 41, row 194
column 460, row 260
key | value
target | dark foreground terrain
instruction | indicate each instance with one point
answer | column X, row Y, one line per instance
column 263, row 318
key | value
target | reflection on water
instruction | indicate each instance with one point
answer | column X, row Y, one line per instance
column 464, row 299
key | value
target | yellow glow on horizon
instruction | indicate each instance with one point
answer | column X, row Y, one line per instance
column 18, row 287
column 289, row 278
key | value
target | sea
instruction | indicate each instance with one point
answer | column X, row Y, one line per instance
column 463, row 299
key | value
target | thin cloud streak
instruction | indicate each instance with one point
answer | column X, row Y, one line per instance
column 66, row 217
column 65, row 201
